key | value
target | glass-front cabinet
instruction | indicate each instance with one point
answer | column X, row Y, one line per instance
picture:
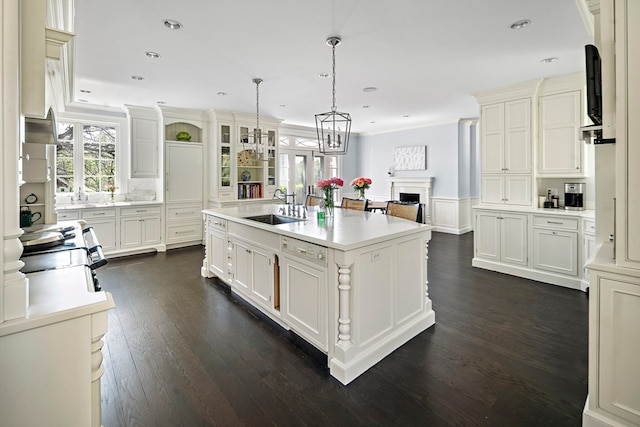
column 225, row 160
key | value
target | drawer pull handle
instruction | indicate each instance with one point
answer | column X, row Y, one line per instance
column 141, row 210
column 184, row 232
column 185, row 213
column 555, row 222
column 99, row 213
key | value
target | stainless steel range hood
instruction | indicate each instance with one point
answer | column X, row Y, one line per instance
column 41, row 131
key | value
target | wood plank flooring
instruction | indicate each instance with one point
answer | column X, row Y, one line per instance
column 182, row 351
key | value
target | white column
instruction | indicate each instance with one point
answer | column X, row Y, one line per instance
column 13, row 284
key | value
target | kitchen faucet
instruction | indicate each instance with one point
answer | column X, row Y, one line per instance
column 281, row 195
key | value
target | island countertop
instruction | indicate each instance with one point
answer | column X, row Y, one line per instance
column 346, row 230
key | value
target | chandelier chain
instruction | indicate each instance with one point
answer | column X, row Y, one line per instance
column 333, row 49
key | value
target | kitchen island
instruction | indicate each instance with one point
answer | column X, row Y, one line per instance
column 355, row 287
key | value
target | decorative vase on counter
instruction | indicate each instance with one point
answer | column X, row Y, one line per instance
column 328, row 202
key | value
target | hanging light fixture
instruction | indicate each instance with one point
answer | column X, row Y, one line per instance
column 256, row 141
column 333, row 127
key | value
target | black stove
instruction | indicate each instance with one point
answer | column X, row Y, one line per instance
column 70, row 246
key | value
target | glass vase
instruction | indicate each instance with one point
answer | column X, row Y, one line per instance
column 361, row 191
column 328, row 202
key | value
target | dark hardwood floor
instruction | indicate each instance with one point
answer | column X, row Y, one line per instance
column 182, row 351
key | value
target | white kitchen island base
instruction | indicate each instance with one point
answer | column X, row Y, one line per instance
column 355, row 288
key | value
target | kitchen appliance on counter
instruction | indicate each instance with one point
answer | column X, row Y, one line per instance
column 574, row 196
column 55, row 246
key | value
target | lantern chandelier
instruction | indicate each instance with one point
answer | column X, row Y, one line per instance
column 333, row 127
column 256, row 140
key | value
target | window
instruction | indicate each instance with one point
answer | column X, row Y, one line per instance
column 86, row 157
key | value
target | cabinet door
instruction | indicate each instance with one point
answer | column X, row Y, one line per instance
column 517, row 134
column 513, row 239
column 559, row 149
column 487, row 236
column 151, row 233
column 105, row 230
column 144, row 148
column 517, row 190
column 304, row 300
column 555, row 251
column 492, row 146
column 130, row 233
column 184, row 172
column 262, row 282
column 217, row 253
column 492, row 189
column 242, row 267
column 588, row 249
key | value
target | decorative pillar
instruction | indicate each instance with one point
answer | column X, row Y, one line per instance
column 344, row 316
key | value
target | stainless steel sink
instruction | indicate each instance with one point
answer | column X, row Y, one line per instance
column 273, row 219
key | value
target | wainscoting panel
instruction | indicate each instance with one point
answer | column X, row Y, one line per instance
column 452, row 216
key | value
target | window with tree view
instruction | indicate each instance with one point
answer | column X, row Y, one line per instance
column 85, row 159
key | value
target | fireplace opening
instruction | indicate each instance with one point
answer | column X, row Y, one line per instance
column 412, row 198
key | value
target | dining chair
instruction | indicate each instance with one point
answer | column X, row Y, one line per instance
column 403, row 210
column 354, row 204
column 313, row 200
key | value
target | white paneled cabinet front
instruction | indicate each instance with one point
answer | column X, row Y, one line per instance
column 506, row 189
column 304, row 300
column 103, row 222
column 501, row 236
column 555, row 251
column 559, row 149
column 144, row 148
column 140, row 227
column 253, row 272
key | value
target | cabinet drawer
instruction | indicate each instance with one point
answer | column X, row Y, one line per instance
column 184, row 212
column 555, row 222
column 102, row 213
column 141, row 210
column 184, row 232
column 589, row 226
column 215, row 223
column 68, row 215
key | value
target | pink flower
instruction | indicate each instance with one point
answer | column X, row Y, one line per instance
column 360, row 183
column 331, row 183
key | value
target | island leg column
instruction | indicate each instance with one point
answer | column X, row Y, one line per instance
column 344, row 318
column 427, row 301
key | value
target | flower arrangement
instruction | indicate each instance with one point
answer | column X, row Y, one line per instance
column 327, row 186
column 360, row 184
column 111, row 188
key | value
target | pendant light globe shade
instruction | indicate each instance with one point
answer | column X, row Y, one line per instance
column 333, row 127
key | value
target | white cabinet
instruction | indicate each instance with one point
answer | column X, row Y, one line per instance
column 506, row 137
column 304, row 299
column 560, row 151
column 555, row 244
column 501, row 236
column 253, row 272
column 103, row 222
column 588, row 248
column 217, row 245
column 144, row 148
column 37, row 162
column 140, row 226
column 506, row 189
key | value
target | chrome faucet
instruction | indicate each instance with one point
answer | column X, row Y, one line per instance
column 281, row 195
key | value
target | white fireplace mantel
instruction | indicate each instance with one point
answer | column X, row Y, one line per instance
column 421, row 186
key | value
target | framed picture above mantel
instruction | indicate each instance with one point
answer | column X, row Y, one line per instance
column 410, row 158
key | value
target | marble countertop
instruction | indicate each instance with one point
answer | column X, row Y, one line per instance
column 59, row 295
column 587, row 213
column 348, row 229
column 102, row 205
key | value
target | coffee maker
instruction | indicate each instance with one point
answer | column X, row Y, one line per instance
column 573, row 196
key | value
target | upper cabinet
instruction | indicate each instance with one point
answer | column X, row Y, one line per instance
column 246, row 171
column 143, row 122
column 560, row 152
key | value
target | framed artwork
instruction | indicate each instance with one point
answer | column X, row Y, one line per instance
column 410, row 158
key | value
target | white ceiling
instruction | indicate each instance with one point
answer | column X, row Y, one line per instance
column 425, row 57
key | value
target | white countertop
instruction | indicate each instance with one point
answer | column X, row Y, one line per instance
column 587, row 213
column 100, row 205
column 348, row 229
column 56, row 296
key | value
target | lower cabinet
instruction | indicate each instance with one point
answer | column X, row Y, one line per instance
column 253, row 272
column 184, row 224
column 555, row 244
column 103, row 222
column 216, row 245
column 501, row 236
column 304, row 299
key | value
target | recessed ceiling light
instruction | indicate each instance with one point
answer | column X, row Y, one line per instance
column 324, row 75
column 372, row 122
column 518, row 25
column 222, row 93
column 370, row 89
column 171, row 24
column 152, row 55
column 161, row 102
column 366, row 106
column 137, row 77
column 405, row 116
column 85, row 91
column 283, row 105
column 549, row 60
column 83, row 100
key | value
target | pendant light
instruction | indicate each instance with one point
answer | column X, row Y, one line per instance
column 256, row 141
column 333, row 127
